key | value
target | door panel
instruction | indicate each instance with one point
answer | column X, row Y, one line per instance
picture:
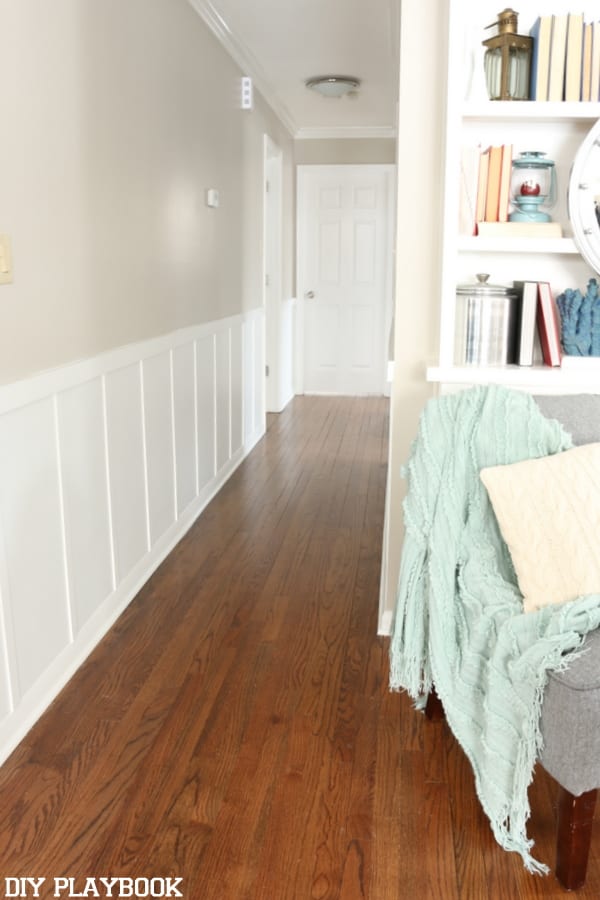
column 327, row 324
column 329, row 249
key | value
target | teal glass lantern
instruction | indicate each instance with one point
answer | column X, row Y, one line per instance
column 533, row 187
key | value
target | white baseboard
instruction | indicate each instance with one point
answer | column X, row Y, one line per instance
column 385, row 624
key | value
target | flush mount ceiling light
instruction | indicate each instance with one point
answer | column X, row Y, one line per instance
column 333, row 85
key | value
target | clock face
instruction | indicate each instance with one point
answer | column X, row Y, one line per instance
column 584, row 198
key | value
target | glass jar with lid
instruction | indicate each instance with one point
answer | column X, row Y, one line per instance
column 486, row 323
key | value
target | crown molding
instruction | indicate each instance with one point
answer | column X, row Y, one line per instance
column 245, row 59
column 328, row 132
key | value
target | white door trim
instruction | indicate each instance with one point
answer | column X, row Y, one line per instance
column 279, row 310
column 302, row 172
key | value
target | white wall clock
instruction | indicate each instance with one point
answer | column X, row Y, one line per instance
column 584, row 198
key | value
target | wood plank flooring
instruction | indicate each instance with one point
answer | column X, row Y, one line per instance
column 234, row 729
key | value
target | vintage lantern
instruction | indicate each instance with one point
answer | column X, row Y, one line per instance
column 507, row 60
column 533, row 185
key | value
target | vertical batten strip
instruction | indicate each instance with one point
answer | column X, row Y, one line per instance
column 195, row 377
column 71, row 613
column 215, row 418
column 111, row 528
column 173, row 437
column 145, row 455
column 252, row 376
column 245, row 328
column 9, row 656
column 229, row 395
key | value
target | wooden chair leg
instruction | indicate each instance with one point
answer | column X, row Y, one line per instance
column 575, row 818
column 434, row 709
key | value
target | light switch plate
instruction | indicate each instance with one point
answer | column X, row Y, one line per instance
column 5, row 260
column 212, row 197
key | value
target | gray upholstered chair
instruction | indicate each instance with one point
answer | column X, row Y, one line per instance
column 570, row 719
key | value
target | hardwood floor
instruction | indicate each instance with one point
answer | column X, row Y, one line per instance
column 234, row 729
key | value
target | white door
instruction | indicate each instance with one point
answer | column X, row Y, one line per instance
column 345, row 276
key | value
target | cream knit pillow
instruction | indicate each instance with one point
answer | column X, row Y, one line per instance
column 548, row 511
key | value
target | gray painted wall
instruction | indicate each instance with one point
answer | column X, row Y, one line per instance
column 117, row 118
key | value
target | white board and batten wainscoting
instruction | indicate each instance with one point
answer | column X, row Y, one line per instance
column 104, row 465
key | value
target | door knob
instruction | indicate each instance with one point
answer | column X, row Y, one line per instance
column 309, row 295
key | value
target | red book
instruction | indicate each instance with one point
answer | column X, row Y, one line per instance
column 548, row 325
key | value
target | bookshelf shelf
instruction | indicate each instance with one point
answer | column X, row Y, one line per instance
column 541, row 379
column 531, row 110
column 516, row 245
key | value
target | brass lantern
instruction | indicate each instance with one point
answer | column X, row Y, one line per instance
column 507, row 60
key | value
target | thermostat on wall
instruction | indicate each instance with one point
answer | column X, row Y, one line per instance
column 212, row 197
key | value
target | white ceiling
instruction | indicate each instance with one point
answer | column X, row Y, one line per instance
column 281, row 43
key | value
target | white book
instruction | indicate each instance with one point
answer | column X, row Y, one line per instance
column 595, row 74
column 573, row 57
column 526, row 321
column 467, row 201
column 558, row 50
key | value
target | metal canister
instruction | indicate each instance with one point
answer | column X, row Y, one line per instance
column 486, row 321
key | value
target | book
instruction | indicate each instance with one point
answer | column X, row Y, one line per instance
column 548, row 325
column 467, row 198
column 541, row 32
column 484, row 164
column 492, row 194
column 586, row 63
column 595, row 73
column 558, row 47
column 520, row 229
column 505, row 174
column 527, row 292
column 573, row 57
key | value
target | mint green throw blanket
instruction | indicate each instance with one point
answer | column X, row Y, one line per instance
column 459, row 620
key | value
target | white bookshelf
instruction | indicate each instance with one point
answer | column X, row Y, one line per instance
column 556, row 128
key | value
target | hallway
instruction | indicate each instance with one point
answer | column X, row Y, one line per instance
column 234, row 729
column 225, row 729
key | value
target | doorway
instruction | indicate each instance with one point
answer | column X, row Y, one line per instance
column 345, row 235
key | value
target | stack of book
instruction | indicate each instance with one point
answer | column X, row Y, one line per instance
column 484, row 197
column 537, row 319
column 484, row 186
column 565, row 63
